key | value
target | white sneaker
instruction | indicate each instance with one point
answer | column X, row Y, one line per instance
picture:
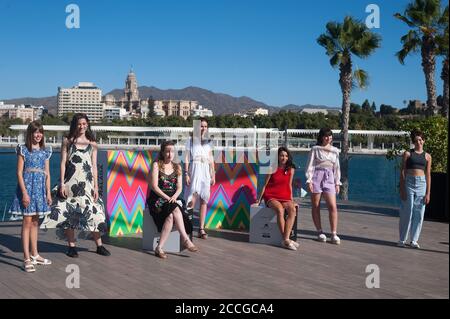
column 335, row 240
column 322, row 238
column 401, row 244
column 414, row 245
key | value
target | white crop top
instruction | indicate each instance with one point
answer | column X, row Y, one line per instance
column 323, row 157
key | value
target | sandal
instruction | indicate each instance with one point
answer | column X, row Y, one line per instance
column 38, row 260
column 192, row 248
column 28, row 266
column 160, row 253
column 202, row 233
column 297, row 245
column 288, row 245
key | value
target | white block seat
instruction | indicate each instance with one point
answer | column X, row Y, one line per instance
column 151, row 236
column 264, row 227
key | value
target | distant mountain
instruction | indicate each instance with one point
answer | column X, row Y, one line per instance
column 219, row 103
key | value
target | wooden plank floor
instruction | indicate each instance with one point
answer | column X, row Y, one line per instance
column 229, row 267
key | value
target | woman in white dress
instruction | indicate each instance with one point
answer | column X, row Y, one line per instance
column 199, row 172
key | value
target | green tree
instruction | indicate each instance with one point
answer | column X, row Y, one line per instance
column 341, row 41
column 366, row 107
column 67, row 118
column 49, row 119
column 386, row 109
column 355, row 108
column 5, row 125
column 423, row 17
column 435, row 129
column 374, row 108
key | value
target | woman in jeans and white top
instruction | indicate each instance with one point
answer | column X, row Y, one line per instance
column 415, row 186
column 323, row 178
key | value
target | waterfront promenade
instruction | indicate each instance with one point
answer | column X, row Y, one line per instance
column 227, row 266
column 139, row 138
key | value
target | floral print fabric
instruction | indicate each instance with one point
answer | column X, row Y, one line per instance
column 34, row 179
column 160, row 208
column 78, row 210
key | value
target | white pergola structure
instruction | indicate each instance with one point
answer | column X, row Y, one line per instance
column 370, row 135
column 148, row 137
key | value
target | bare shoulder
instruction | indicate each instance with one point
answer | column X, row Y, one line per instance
column 406, row 154
column 427, row 156
column 94, row 144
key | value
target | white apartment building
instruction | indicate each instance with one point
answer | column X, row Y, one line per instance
column 258, row 111
column 314, row 111
column 200, row 111
column 253, row 112
column 5, row 108
column 319, row 110
column 83, row 98
column 114, row 113
column 11, row 111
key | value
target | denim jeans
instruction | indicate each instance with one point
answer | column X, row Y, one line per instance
column 412, row 209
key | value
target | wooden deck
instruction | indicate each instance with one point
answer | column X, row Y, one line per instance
column 227, row 266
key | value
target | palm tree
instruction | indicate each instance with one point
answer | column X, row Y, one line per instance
column 341, row 41
column 442, row 50
column 423, row 17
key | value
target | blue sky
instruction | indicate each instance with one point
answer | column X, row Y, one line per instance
column 264, row 49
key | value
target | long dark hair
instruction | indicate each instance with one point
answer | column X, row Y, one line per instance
column 176, row 167
column 289, row 164
column 74, row 132
column 324, row 132
column 33, row 127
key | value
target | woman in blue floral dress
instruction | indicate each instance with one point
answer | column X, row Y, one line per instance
column 76, row 202
column 32, row 197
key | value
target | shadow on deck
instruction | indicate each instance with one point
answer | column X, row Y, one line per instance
column 227, row 266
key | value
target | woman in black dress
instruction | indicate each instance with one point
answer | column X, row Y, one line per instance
column 164, row 205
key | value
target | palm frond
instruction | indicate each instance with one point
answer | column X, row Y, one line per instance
column 328, row 43
column 344, row 39
column 443, row 20
column 442, row 43
column 411, row 43
column 333, row 29
column 401, row 55
column 367, row 43
column 404, row 19
column 360, row 79
column 336, row 59
column 423, row 12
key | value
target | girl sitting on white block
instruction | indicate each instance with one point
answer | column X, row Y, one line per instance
column 277, row 194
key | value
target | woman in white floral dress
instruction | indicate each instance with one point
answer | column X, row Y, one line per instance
column 76, row 204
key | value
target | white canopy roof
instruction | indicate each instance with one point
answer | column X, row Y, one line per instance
column 143, row 129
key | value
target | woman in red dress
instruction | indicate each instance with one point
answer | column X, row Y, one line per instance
column 277, row 194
